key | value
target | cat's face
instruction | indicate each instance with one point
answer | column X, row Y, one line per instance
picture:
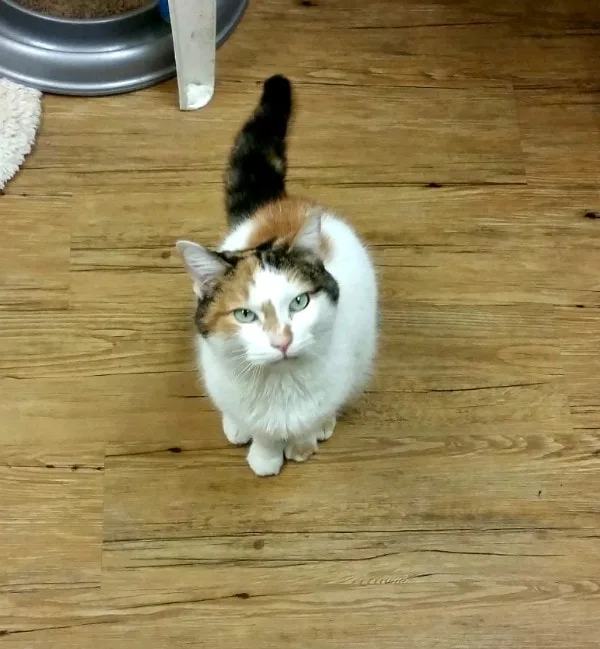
column 276, row 317
column 265, row 305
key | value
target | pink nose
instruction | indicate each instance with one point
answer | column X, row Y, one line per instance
column 282, row 343
column 282, row 348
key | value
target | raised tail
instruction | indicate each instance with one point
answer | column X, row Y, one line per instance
column 257, row 163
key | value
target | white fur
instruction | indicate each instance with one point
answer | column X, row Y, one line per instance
column 286, row 405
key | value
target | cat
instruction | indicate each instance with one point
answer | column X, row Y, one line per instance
column 286, row 307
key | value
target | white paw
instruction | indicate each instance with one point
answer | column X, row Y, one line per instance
column 264, row 461
column 327, row 430
column 233, row 433
column 301, row 450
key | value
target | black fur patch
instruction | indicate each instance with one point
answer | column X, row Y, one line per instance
column 258, row 163
column 282, row 258
column 201, row 309
column 309, row 267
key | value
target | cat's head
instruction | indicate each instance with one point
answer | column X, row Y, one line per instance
column 269, row 303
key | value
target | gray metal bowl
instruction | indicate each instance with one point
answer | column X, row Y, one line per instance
column 101, row 56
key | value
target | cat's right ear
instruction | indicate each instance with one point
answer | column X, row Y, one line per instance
column 205, row 267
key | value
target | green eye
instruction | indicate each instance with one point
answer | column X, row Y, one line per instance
column 299, row 303
column 245, row 316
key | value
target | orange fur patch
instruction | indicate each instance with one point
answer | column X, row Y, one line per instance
column 272, row 324
column 282, row 222
column 233, row 295
column 271, row 320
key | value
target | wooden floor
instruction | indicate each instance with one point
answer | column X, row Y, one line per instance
column 458, row 506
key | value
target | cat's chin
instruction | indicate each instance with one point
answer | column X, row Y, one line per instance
column 273, row 361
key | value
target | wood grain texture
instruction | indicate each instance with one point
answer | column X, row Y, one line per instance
column 36, row 236
column 456, row 507
column 51, row 511
column 580, row 345
column 475, row 141
column 561, row 134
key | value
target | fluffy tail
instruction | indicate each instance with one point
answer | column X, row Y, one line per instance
column 257, row 163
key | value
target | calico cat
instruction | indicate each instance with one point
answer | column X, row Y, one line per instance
column 287, row 306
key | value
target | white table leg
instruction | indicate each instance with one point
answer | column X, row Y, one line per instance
column 194, row 27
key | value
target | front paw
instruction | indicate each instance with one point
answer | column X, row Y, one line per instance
column 264, row 461
column 233, row 433
column 301, row 450
column 327, row 431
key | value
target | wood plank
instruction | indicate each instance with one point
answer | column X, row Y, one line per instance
column 409, row 478
column 51, row 510
column 335, row 557
column 472, row 345
column 579, row 331
column 383, row 14
column 94, row 342
column 566, row 153
column 493, row 611
column 98, row 408
column 481, row 271
column 168, row 410
column 463, row 585
column 38, row 455
column 426, row 44
column 471, row 134
column 34, row 273
column 427, row 347
column 578, row 326
column 139, row 228
column 557, row 15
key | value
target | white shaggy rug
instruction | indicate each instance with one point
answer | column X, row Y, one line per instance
column 20, row 114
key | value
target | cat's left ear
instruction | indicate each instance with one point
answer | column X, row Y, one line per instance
column 309, row 237
column 205, row 267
